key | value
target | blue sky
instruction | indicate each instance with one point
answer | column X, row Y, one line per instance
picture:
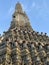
column 37, row 11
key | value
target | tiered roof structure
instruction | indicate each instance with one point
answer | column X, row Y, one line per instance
column 21, row 45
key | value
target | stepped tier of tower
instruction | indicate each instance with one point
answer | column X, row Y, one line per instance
column 21, row 45
column 27, row 34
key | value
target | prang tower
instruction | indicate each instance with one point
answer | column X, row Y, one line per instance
column 21, row 45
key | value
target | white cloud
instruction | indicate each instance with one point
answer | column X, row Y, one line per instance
column 36, row 6
column 11, row 10
column 33, row 4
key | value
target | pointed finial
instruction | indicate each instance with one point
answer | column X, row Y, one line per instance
column 19, row 17
column 18, row 7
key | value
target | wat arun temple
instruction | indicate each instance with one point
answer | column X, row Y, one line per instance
column 21, row 44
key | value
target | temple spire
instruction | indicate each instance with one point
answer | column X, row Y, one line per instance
column 18, row 7
column 19, row 17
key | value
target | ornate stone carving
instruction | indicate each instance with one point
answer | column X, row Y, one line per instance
column 21, row 45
